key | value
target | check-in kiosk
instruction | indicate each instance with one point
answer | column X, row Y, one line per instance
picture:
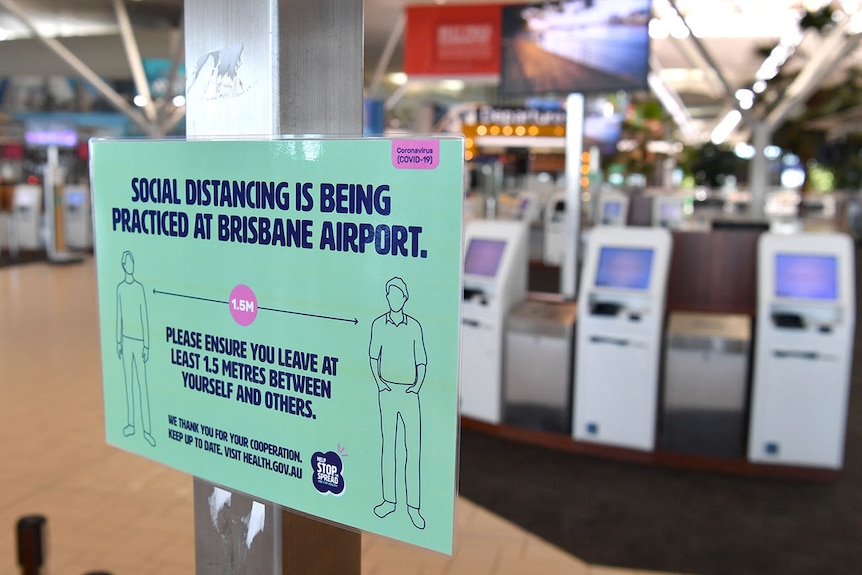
column 613, row 209
column 806, row 312
column 621, row 308
column 555, row 230
column 77, row 217
column 529, row 207
column 26, row 217
column 668, row 211
column 495, row 280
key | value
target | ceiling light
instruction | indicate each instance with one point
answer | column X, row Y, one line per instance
column 726, row 127
column 140, row 101
column 179, row 101
column 744, row 94
column 398, row 78
column 744, row 151
column 745, row 97
column 772, row 152
column 657, row 29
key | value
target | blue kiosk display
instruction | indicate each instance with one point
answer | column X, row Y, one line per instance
column 621, row 305
column 806, row 312
column 668, row 211
column 613, row 209
column 78, row 217
column 495, row 280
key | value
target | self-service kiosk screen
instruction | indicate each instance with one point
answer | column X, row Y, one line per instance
column 628, row 268
column 75, row 198
column 483, row 257
column 803, row 276
column 612, row 209
column 670, row 211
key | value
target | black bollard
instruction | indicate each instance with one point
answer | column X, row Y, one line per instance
column 31, row 543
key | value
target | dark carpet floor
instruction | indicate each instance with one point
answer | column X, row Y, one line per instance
column 648, row 517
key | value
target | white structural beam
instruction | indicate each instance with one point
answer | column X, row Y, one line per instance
column 133, row 53
column 177, row 52
column 81, row 68
column 729, row 91
column 386, row 56
column 673, row 104
column 835, row 47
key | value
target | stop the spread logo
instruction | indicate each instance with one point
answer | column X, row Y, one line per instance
column 327, row 472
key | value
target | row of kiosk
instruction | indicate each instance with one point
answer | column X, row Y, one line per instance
column 611, row 209
column 613, row 369
column 22, row 219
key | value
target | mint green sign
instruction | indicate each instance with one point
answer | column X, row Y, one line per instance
column 282, row 317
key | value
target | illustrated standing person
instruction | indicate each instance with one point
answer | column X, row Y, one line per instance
column 133, row 346
column 398, row 364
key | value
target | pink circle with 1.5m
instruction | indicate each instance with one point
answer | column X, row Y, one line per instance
column 243, row 305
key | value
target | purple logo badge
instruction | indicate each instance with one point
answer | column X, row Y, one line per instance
column 326, row 474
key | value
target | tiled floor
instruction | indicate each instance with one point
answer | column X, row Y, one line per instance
column 110, row 510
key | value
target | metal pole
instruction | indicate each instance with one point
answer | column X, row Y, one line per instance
column 574, row 149
column 266, row 68
column 758, row 175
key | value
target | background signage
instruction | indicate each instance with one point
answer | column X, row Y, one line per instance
column 452, row 40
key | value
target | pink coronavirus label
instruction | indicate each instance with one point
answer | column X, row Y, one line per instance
column 415, row 154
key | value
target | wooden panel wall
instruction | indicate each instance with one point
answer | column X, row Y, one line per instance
column 714, row 272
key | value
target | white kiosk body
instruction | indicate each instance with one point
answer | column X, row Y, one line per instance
column 77, row 217
column 495, row 280
column 621, row 309
column 554, row 240
column 806, row 311
column 529, row 207
column 26, row 218
column 613, row 209
column 668, row 211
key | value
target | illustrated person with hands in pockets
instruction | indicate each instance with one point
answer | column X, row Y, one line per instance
column 398, row 364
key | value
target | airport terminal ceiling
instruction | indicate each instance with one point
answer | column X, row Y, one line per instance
column 709, row 62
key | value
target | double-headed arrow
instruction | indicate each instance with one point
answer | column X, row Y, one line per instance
column 354, row 321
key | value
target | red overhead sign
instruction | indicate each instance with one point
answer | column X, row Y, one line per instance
column 453, row 41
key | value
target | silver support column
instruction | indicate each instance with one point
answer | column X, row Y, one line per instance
column 264, row 68
column 758, row 175
column 574, row 149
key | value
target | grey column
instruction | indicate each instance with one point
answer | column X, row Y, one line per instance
column 261, row 68
column 574, row 149
column 758, row 173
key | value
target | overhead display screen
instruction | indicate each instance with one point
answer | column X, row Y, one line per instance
column 484, row 257
column 583, row 47
column 626, row 268
column 803, row 276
